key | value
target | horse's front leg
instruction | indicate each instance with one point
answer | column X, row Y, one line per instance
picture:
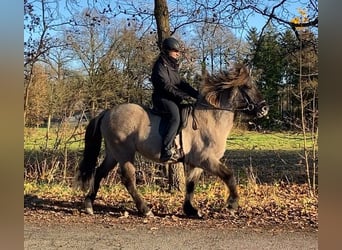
column 129, row 180
column 101, row 172
column 226, row 174
column 229, row 179
column 192, row 179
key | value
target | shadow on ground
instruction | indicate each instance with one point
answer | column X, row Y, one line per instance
column 268, row 166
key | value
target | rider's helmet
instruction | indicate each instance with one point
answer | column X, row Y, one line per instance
column 171, row 44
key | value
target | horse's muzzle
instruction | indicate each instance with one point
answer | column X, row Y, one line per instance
column 263, row 111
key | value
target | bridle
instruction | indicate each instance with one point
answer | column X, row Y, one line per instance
column 250, row 105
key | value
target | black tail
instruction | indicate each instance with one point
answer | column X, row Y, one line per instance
column 92, row 147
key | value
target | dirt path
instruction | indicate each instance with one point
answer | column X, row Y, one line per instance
column 143, row 236
column 60, row 223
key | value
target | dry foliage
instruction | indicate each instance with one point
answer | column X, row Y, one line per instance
column 262, row 207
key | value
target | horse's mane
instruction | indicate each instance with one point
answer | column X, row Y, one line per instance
column 213, row 85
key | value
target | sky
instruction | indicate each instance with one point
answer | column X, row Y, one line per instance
column 256, row 20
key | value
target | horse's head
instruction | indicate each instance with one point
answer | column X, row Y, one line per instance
column 251, row 100
column 235, row 90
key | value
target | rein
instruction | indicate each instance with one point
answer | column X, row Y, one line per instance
column 250, row 106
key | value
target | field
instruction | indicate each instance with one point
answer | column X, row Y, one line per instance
column 269, row 169
column 271, row 156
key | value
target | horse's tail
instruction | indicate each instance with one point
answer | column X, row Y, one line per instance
column 93, row 139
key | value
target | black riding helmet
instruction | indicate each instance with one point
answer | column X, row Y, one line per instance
column 170, row 44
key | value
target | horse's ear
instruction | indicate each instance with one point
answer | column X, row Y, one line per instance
column 213, row 99
column 243, row 70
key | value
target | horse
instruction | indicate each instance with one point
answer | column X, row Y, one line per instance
column 130, row 128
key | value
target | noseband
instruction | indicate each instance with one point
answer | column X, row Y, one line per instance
column 250, row 105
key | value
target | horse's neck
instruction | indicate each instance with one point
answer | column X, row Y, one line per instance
column 219, row 122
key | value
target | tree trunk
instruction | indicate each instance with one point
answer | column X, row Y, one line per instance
column 176, row 177
column 27, row 95
column 161, row 14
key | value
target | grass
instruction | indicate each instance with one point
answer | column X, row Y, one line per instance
column 35, row 138
column 247, row 140
column 272, row 155
column 214, row 192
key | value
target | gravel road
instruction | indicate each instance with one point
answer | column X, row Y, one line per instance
column 95, row 236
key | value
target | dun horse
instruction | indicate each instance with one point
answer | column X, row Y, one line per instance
column 130, row 128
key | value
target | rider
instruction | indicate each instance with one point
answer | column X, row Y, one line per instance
column 168, row 92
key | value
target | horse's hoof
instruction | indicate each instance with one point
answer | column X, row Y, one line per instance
column 190, row 211
column 149, row 214
column 233, row 204
column 193, row 213
column 88, row 207
column 197, row 215
column 89, row 211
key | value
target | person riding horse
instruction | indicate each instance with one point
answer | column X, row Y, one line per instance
column 168, row 92
column 222, row 96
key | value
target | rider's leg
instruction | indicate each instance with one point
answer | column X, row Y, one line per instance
column 174, row 120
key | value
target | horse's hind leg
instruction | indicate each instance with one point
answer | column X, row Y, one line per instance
column 191, row 181
column 101, row 172
column 129, row 180
column 226, row 174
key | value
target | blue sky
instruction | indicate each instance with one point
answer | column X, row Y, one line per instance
column 255, row 20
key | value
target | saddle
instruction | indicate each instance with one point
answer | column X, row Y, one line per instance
column 185, row 111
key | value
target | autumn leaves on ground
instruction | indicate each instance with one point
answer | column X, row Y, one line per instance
column 276, row 207
column 276, row 198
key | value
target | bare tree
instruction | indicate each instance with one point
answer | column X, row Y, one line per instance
column 89, row 40
column 41, row 20
column 36, row 111
column 307, row 93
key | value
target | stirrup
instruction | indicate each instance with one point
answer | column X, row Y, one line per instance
column 174, row 157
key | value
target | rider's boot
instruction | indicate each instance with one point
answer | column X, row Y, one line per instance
column 169, row 153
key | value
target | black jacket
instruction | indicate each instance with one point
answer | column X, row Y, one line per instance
column 167, row 82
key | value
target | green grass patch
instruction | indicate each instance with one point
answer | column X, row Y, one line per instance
column 56, row 138
column 35, row 139
column 60, row 190
column 273, row 155
column 250, row 140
